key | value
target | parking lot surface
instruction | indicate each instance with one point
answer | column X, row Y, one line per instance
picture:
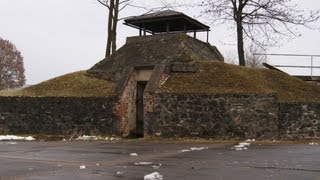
column 133, row 160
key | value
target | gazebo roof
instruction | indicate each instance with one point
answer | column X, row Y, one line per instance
column 166, row 21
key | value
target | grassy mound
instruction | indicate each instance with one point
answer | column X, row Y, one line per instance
column 77, row 84
column 216, row 77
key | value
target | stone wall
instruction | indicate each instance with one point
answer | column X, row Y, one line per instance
column 220, row 116
column 226, row 116
column 299, row 121
column 57, row 116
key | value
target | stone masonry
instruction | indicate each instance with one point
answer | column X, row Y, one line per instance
column 57, row 116
column 222, row 116
column 299, row 121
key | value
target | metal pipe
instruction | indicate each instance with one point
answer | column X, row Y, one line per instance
column 301, row 55
column 292, row 66
column 311, row 66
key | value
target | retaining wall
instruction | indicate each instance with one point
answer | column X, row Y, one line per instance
column 214, row 116
column 57, row 116
column 299, row 121
column 221, row 116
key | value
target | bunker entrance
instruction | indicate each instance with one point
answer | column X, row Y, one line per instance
column 141, row 85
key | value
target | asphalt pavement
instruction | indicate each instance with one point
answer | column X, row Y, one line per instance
column 133, row 160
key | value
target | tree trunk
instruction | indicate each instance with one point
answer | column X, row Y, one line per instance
column 114, row 27
column 110, row 24
column 242, row 61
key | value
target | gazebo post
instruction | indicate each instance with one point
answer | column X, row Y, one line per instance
column 195, row 34
column 207, row 35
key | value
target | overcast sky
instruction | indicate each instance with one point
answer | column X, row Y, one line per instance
column 61, row 36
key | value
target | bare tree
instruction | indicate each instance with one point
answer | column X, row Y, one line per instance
column 261, row 21
column 113, row 18
column 11, row 66
column 114, row 8
column 253, row 56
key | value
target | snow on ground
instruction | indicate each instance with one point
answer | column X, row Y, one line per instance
column 243, row 145
column 313, row 143
column 133, row 154
column 12, row 137
column 119, row 173
column 93, row 138
column 85, row 137
column 156, row 166
column 143, row 163
column 250, row 140
column 193, row 149
column 153, row 176
column 83, row 167
column 198, row 149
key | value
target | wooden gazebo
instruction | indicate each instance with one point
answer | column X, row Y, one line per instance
column 166, row 22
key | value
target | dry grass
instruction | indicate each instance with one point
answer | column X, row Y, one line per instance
column 211, row 77
column 77, row 84
column 216, row 77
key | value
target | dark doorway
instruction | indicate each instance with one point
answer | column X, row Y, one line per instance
column 141, row 85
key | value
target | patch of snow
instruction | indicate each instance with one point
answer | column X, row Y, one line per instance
column 198, row 149
column 238, row 149
column 185, row 150
column 30, row 138
column 245, row 143
column 143, row 163
column 241, row 146
column 114, row 139
column 119, row 173
column 133, row 154
column 250, row 140
column 85, row 137
column 156, row 167
column 98, row 164
column 94, row 138
column 12, row 137
column 12, row 143
column 83, row 167
column 153, row 176
column 313, row 143
column 194, row 149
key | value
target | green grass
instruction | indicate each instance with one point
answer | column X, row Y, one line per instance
column 77, row 84
column 216, row 77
